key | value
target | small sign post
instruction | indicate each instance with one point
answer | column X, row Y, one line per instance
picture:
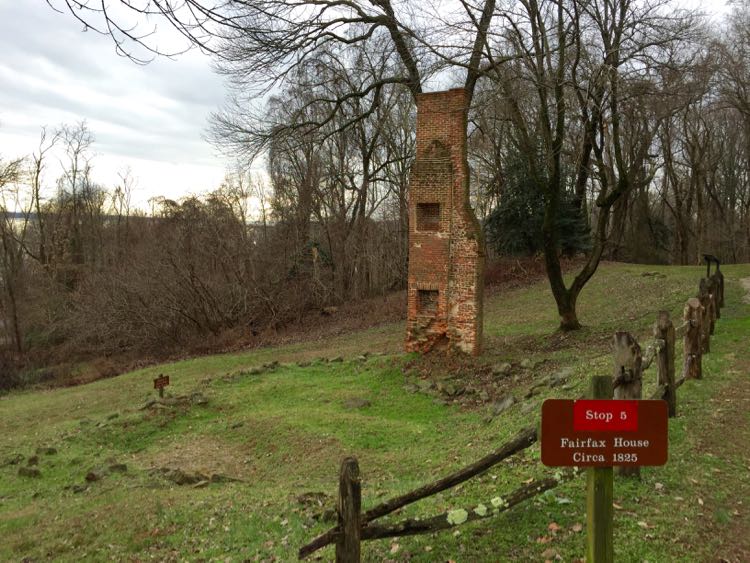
column 600, row 433
column 160, row 383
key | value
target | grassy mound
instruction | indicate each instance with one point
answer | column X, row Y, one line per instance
column 241, row 460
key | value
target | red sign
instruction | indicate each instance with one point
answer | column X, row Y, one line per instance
column 605, row 415
column 604, row 433
column 161, row 382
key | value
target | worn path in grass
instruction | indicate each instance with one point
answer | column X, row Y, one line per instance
column 282, row 433
column 726, row 436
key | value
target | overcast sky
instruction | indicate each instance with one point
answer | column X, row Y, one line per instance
column 147, row 117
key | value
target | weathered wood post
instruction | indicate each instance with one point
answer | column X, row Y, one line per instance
column 716, row 284
column 600, row 496
column 627, row 379
column 712, row 307
column 720, row 277
column 349, row 508
column 693, row 314
column 664, row 331
column 704, row 296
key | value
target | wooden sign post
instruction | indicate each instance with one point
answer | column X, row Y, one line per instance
column 160, row 383
column 599, row 433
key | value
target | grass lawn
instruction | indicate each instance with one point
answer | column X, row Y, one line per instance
column 275, row 440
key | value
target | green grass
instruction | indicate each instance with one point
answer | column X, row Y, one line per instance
column 283, row 433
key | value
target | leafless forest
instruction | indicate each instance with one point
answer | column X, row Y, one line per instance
column 602, row 129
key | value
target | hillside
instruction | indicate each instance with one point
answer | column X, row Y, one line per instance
column 242, row 462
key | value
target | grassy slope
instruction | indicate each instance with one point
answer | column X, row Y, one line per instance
column 283, row 434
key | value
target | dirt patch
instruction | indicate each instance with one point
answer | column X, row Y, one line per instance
column 728, row 419
column 203, row 454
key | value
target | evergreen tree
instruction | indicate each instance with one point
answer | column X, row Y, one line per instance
column 515, row 225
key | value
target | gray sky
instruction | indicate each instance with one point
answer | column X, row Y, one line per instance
column 147, row 117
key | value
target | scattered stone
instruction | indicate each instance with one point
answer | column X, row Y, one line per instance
column 198, row 398
column 180, row 477
column 425, row 385
column 560, row 377
column 314, row 499
column 503, row 404
column 118, row 468
column 484, row 396
column 533, row 392
column 29, row 472
column 356, row 403
column 454, row 389
column 526, row 363
column 361, row 358
column 337, row 359
column 555, row 380
column 94, row 475
column 221, row 478
column 15, row 459
column 502, row 370
column 150, row 403
column 33, row 460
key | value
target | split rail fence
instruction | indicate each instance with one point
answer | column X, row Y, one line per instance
column 699, row 319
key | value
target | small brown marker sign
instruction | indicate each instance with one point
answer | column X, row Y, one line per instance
column 160, row 383
column 604, row 433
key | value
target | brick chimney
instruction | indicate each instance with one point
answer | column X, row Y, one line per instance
column 446, row 254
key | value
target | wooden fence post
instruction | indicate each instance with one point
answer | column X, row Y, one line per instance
column 693, row 315
column 349, row 509
column 720, row 277
column 664, row 331
column 704, row 297
column 711, row 299
column 716, row 284
column 628, row 378
column 600, row 495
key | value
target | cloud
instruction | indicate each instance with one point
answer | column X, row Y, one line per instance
column 53, row 72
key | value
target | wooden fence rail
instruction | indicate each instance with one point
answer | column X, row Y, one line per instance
column 699, row 315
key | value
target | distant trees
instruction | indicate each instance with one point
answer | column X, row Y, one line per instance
column 630, row 118
column 84, row 275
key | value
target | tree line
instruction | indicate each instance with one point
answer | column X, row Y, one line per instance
column 603, row 129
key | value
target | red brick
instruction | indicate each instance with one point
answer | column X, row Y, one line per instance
column 450, row 259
